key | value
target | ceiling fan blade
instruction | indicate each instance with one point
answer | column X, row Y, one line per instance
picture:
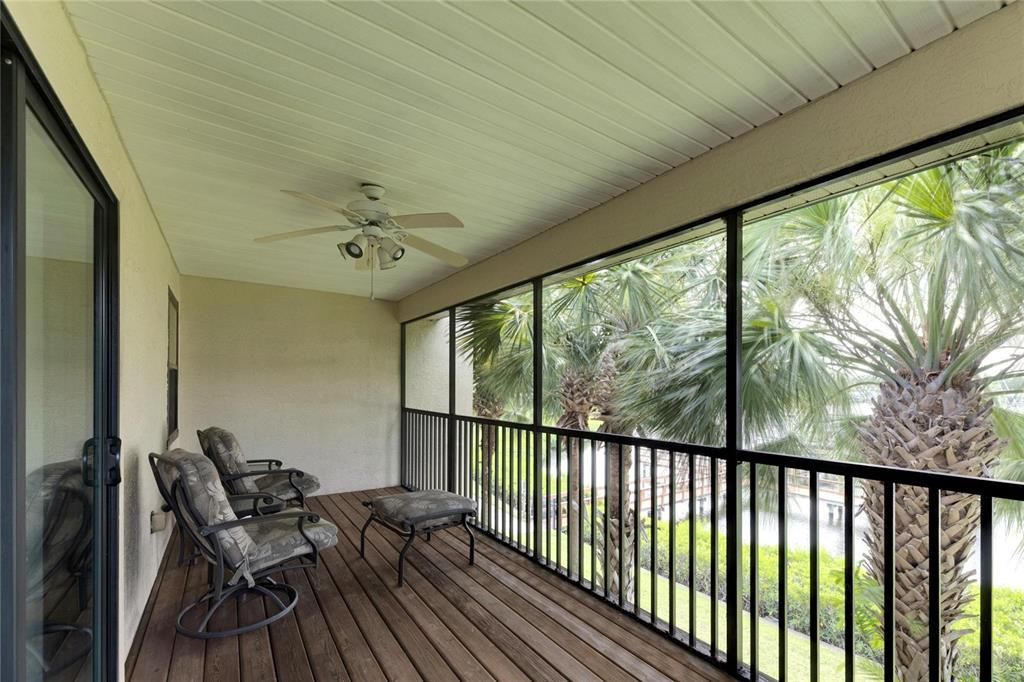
column 323, row 203
column 456, row 260
column 303, row 233
column 413, row 221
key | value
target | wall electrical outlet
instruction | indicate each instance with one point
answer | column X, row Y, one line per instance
column 157, row 521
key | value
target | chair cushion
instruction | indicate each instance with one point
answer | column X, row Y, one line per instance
column 279, row 485
column 202, row 483
column 278, row 541
column 221, row 446
column 422, row 508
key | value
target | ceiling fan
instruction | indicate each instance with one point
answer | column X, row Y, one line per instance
column 382, row 236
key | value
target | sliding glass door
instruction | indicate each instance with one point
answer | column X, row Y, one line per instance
column 60, row 455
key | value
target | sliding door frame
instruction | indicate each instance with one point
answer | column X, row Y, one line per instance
column 25, row 88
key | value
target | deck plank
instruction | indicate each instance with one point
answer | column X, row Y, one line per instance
column 497, row 632
column 256, row 660
column 222, row 664
column 324, row 659
column 398, row 615
column 449, row 643
column 490, row 653
column 154, row 658
column 189, row 655
column 505, row 618
column 539, row 634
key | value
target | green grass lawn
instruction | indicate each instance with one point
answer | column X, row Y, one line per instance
column 832, row 660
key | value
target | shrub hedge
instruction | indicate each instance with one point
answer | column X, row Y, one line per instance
column 1007, row 604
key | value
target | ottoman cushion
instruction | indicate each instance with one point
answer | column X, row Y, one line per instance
column 424, row 509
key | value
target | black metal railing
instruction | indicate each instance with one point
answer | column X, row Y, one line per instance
column 587, row 505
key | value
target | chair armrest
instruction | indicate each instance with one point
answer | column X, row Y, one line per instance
column 269, row 463
column 266, row 499
column 273, row 472
column 299, row 516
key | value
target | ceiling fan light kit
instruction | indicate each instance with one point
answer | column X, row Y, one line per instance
column 356, row 248
column 382, row 237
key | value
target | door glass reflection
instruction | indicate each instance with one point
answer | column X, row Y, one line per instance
column 58, row 412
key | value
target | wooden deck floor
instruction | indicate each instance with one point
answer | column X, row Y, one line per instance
column 504, row 618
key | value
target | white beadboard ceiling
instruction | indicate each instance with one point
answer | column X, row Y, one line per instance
column 513, row 116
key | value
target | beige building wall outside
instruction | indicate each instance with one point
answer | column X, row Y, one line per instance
column 426, row 369
column 147, row 270
column 971, row 74
column 310, row 378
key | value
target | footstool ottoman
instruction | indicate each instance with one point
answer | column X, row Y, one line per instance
column 419, row 513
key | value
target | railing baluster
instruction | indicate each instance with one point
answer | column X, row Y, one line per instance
column 934, row 586
column 815, row 566
column 754, row 548
column 636, row 531
column 503, row 490
column 889, row 583
column 593, row 515
column 849, row 559
column 985, row 589
column 547, row 500
column 692, row 571
column 579, row 535
column 622, row 526
column 558, row 500
column 519, row 488
column 579, row 513
column 446, row 450
column 672, row 543
column 654, row 536
column 783, row 562
column 604, row 521
column 480, row 447
column 714, row 557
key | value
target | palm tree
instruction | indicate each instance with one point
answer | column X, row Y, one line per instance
column 912, row 291
column 880, row 326
column 586, row 318
column 496, row 338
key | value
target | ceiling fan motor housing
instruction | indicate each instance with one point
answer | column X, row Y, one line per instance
column 370, row 209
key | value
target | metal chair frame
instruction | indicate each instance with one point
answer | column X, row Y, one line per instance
column 273, row 467
column 411, row 532
column 204, row 538
column 78, row 562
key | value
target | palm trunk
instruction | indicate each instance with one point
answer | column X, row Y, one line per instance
column 926, row 427
column 571, row 421
column 488, row 407
column 620, row 510
column 487, row 447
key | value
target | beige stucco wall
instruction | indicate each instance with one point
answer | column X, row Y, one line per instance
column 147, row 270
column 307, row 377
column 971, row 74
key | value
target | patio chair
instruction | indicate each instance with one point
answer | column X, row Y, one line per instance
column 242, row 552
column 251, row 476
column 58, row 523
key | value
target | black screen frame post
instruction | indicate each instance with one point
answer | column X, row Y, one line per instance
column 12, row 363
column 24, row 88
column 173, row 367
